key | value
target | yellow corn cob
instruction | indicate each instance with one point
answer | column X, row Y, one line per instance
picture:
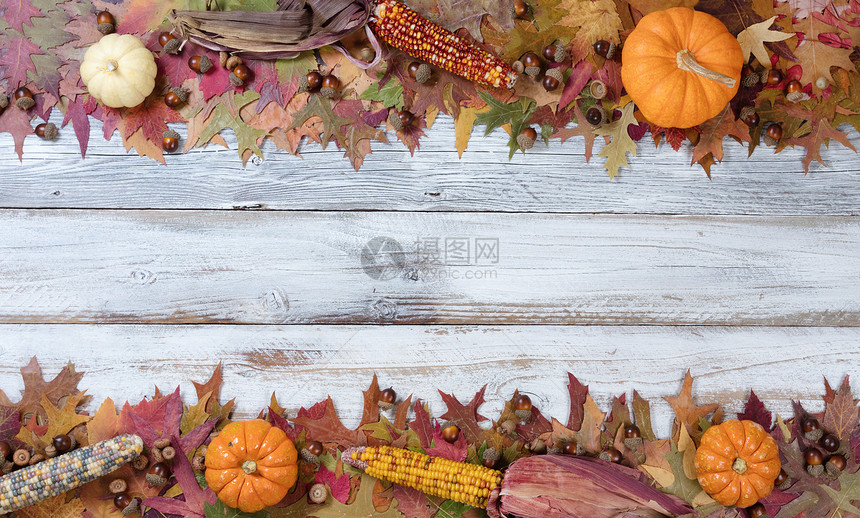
column 459, row 481
column 405, row 29
column 60, row 474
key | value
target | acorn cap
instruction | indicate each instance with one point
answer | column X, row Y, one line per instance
column 118, row 485
column 234, row 79
column 167, row 134
column 385, row 405
column 538, row 445
column 105, row 28
column 397, row 124
column 155, row 480
column 222, row 58
column 611, row 52
column 25, row 103
column 509, row 426
column 785, row 485
column 770, row 141
column 491, row 454
column 746, row 111
column 814, row 435
column 50, row 134
column 304, row 85
column 532, row 72
column 816, row 470
column 561, row 53
column 232, row 62
column 140, row 463
column 4, row 100
column 309, row 457
column 182, row 93
column 133, row 507
column 524, row 415
column 50, row 451
column 205, row 64
column 832, row 471
column 164, row 442
column 794, row 97
column 198, row 463
column 518, row 66
column 555, row 73
column 633, row 443
column 597, row 89
column 173, row 46
column 318, row 493
column 751, row 79
column 328, row 92
column 424, row 73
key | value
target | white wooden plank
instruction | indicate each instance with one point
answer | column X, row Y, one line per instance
column 303, row 364
column 554, row 179
column 298, row 267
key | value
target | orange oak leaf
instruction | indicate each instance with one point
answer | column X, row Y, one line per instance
column 35, row 386
column 60, row 506
column 713, row 132
column 687, row 413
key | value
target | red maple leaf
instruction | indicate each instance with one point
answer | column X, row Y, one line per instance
column 15, row 59
column 754, row 410
column 422, row 426
column 18, row 12
column 78, row 113
column 338, row 485
column 455, row 451
column 150, row 117
column 466, row 416
column 411, row 502
column 16, row 122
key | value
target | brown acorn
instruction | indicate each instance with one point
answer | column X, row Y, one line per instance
column 532, row 65
column 106, row 22
column 772, row 135
column 318, row 493
column 46, row 130
column 173, row 46
column 553, row 79
column 387, row 399
column 175, row 97
column 330, row 86
column 520, row 9
column 200, row 64
column 158, row 474
column 490, row 458
column 170, row 143
column 605, row 48
column 4, row 100
column 750, row 116
column 527, row 137
column 310, row 82
column 232, row 62
column 23, row 98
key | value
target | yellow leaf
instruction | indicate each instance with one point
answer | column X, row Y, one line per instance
column 621, row 144
column 702, row 499
column 430, row 116
column 195, row 415
column 686, row 445
column 596, row 19
column 463, row 125
column 786, row 431
column 54, row 507
column 663, row 476
column 104, row 424
column 753, row 38
column 61, row 421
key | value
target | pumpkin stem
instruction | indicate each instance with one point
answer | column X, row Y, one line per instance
column 111, row 65
column 739, row 466
column 686, row 60
column 249, row 466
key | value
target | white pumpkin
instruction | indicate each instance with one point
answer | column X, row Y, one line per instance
column 119, row 71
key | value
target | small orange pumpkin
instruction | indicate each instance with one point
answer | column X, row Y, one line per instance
column 251, row 465
column 681, row 67
column 737, row 462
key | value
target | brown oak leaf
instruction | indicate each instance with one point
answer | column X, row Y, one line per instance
column 35, row 386
column 841, row 413
column 687, row 413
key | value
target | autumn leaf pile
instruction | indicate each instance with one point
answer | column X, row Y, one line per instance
column 48, row 408
column 43, row 42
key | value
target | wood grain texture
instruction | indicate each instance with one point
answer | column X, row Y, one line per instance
column 303, row 364
column 297, row 267
column 554, row 179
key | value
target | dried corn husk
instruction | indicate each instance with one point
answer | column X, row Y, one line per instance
column 297, row 26
column 564, row 486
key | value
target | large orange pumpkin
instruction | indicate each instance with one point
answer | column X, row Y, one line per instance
column 251, row 465
column 681, row 67
column 737, row 462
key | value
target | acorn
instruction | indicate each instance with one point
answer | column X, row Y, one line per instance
column 310, row 82
column 553, row 79
column 133, row 506
column 164, row 37
column 175, row 97
column 749, row 77
column 311, row 452
column 508, row 427
column 611, row 455
column 420, row 72
column 520, row 9
column 571, row 448
column 318, row 493
column 158, row 474
column 450, row 432
column 4, row 100
column 555, row 53
column 750, row 116
column 232, row 62
column 633, row 437
column 330, row 87
column 835, row 466
column 170, row 143
column 605, row 48
column 595, row 115
column 388, row 397
column 772, row 136
column 64, row 442
column 21, row 457
column 810, row 427
column 518, row 66
column 46, row 130
column 537, row 446
column 490, row 458
column 23, row 98
column 782, row 481
column 772, row 78
column 198, row 463
column 240, row 75
column 523, row 403
column 597, row 89
column 757, row 510
column 794, row 91
column 526, row 140
column 200, row 64
column 50, row 451
column 531, row 64
column 140, row 463
column 222, row 59
column 106, row 22
column 117, row 486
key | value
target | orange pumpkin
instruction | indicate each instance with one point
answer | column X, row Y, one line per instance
column 251, row 465
column 681, row 67
column 737, row 462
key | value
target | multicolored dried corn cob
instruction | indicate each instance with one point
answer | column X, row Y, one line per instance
column 459, row 481
column 405, row 29
column 60, row 474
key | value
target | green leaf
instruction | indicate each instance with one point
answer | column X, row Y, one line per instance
column 546, row 133
column 319, row 106
column 683, row 487
column 451, row 509
column 299, row 65
column 849, row 489
column 390, row 95
column 500, row 113
column 621, row 144
column 219, row 510
column 704, row 424
column 642, row 414
column 221, row 118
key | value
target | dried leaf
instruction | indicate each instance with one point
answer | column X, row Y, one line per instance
column 687, row 414
column 466, row 416
column 642, row 415
column 54, row 507
column 754, row 410
column 322, row 423
column 753, row 38
column 621, row 143
column 362, row 505
column 840, row 415
column 713, row 132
